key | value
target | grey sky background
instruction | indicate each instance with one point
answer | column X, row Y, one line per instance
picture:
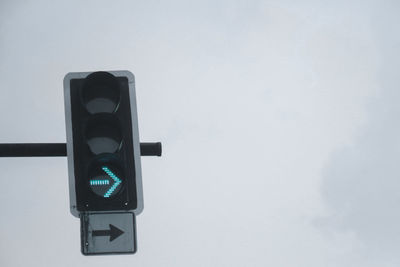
column 278, row 121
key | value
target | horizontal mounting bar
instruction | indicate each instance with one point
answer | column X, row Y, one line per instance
column 60, row 149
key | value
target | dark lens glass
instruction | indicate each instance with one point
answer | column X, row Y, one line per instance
column 101, row 93
column 103, row 134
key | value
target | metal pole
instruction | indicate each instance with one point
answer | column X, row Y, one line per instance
column 60, row 149
column 150, row 149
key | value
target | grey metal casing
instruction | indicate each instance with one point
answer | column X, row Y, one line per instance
column 135, row 133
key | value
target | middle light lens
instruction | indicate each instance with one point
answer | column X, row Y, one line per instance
column 103, row 134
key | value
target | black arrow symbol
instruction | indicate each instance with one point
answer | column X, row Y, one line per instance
column 114, row 232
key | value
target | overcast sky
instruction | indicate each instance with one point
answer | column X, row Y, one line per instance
column 279, row 122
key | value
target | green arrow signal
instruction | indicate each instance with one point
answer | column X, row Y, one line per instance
column 117, row 181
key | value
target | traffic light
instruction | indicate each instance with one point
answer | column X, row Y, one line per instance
column 103, row 150
column 103, row 146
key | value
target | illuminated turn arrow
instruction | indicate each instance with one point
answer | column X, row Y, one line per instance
column 99, row 182
column 117, row 181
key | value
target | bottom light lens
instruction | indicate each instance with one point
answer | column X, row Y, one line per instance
column 105, row 179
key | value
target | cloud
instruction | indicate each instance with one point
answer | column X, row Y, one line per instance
column 361, row 185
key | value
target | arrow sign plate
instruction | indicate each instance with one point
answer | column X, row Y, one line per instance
column 108, row 233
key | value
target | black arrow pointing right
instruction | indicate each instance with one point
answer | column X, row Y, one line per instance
column 114, row 232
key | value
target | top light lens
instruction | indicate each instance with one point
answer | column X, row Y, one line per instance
column 101, row 93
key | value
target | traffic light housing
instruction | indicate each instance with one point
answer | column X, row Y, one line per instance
column 103, row 145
